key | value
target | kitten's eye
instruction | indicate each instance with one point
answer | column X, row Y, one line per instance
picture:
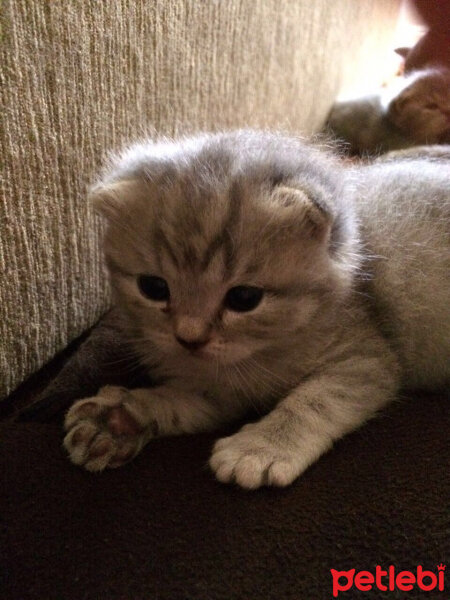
column 153, row 287
column 431, row 105
column 243, row 298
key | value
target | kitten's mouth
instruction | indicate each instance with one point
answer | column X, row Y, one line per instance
column 199, row 353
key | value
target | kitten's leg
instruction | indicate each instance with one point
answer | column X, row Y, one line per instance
column 304, row 425
column 111, row 428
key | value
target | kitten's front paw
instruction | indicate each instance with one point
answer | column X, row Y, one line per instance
column 102, row 431
column 251, row 460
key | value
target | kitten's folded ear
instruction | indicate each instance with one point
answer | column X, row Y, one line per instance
column 403, row 51
column 304, row 214
column 109, row 199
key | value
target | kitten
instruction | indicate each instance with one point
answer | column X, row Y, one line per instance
column 432, row 50
column 414, row 110
column 254, row 271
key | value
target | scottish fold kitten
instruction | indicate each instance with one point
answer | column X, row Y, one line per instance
column 432, row 50
column 253, row 271
column 414, row 110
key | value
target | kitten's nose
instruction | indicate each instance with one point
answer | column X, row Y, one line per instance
column 192, row 344
column 191, row 332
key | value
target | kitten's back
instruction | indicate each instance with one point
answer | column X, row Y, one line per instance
column 404, row 208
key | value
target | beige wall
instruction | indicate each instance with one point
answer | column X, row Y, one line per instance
column 84, row 76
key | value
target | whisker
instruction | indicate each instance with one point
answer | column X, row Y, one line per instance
column 230, row 381
column 269, row 372
column 270, row 388
column 248, row 396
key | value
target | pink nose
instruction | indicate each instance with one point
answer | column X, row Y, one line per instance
column 191, row 332
column 192, row 344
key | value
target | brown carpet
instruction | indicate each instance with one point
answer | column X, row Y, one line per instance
column 163, row 528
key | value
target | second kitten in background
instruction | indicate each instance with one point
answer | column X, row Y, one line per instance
column 413, row 111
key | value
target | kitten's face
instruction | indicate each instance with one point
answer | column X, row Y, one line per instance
column 422, row 110
column 216, row 269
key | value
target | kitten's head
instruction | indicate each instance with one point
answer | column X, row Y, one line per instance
column 224, row 245
column 422, row 109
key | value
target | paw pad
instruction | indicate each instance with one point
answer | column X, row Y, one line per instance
column 101, row 431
